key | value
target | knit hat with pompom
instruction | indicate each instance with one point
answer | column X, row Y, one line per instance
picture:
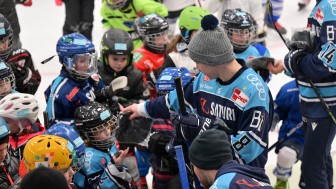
column 210, row 45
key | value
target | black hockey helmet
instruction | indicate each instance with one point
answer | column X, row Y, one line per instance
column 149, row 28
column 6, row 75
column 6, row 36
column 117, row 42
column 241, row 23
column 93, row 119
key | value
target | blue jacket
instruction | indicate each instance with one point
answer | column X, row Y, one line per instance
column 244, row 103
column 287, row 107
column 236, row 176
column 64, row 95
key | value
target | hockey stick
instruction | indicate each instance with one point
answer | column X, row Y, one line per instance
column 46, row 120
column 183, row 111
column 182, row 167
column 290, row 133
column 178, row 149
column 317, row 92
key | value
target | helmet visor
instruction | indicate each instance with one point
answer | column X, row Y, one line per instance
column 83, row 64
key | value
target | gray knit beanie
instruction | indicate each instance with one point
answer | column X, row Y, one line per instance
column 210, row 45
column 210, row 150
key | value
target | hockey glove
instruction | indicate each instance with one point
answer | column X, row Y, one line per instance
column 302, row 39
column 118, row 174
column 22, row 74
column 187, row 127
column 157, row 144
column 292, row 61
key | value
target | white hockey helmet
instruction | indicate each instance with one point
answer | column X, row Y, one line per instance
column 18, row 106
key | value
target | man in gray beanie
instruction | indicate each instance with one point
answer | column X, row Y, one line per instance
column 225, row 90
column 215, row 168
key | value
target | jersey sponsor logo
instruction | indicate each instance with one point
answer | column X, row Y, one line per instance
column 148, row 64
column 137, row 56
column 239, row 97
column 204, row 109
column 251, row 184
column 206, row 86
column 319, row 15
column 73, row 92
column 95, row 77
column 223, row 112
column 258, row 84
column 206, row 78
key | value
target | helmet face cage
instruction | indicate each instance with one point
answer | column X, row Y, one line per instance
column 77, row 54
column 157, row 41
column 116, row 5
column 4, row 81
column 6, row 38
column 241, row 38
column 240, row 27
column 102, row 143
column 81, row 66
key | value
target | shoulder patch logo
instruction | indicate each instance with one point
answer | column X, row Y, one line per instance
column 239, row 97
column 206, row 78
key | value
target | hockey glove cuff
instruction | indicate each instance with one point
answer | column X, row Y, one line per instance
column 292, row 61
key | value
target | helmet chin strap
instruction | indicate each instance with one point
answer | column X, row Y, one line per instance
column 21, row 129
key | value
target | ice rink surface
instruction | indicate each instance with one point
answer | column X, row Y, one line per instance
column 41, row 27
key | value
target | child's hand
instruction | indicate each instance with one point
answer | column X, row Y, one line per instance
column 122, row 153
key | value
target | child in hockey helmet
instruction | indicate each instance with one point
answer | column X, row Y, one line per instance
column 165, row 83
column 7, row 79
column 153, row 30
column 96, row 124
column 50, row 151
column 68, row 133
column 240, row 27
column 20, row 112
column 6, row 38
column 77, row 55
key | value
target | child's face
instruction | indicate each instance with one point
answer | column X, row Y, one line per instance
column 68, row 174
column 117, row 62
column 82, row 63
column 3, row 151
column 103, row 134
column 5, row 87
column 15, row 125
column 4, row 45
column 241, row 37
column 161, row 39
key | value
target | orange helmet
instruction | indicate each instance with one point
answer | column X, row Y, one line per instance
column 48, row 151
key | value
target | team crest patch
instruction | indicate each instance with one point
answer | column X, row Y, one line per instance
column 206, row 78
column 239, row 97
column 103, row 161
column 319, row 15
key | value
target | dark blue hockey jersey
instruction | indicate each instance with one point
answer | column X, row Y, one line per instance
column 244, row 103
column 64, row 95
column 236, row 176
column 320, row 65
column 287, row 107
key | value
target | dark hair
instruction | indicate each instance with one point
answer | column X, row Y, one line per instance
column 44, row 177
column 4, row 139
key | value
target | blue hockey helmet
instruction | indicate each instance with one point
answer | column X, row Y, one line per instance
column 166, row 83
column 78, row 55
column 6, row 77
column 67, row 132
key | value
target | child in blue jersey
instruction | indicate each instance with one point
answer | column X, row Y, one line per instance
column 290, row 151
column 225, row 90
column 317, row 63
column 210, row 153
column 102, row 168
column 78, row 82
